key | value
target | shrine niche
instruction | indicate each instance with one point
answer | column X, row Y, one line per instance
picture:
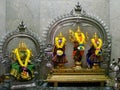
column 21, row 53
column 87, row 48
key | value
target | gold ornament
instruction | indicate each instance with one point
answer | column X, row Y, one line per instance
column 25, row 75
column 59, row 52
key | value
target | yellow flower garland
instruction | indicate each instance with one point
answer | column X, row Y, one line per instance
column 57, row 42
column 78, row 39
column 19, row 60
column 95, row 45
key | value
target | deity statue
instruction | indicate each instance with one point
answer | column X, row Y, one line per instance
column 59, row 57
column 94, row 55
column 78, row 38
column 22, row 67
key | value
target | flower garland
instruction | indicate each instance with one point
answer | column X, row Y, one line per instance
column 80, row 39
column 19, row 60
column 57, row 42
column 97, row 47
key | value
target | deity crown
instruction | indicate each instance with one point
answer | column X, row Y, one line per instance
column 78, row 30
column 22, row 45
column 60, row 35
column 95, row 35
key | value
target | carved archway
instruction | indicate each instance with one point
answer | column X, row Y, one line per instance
column 9, row 42
column 88, row 23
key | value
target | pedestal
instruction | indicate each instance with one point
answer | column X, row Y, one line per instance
column 73, row 75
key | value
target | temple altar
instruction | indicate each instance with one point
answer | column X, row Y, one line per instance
column 77, row 76
column 75, row 52
column 86, row 40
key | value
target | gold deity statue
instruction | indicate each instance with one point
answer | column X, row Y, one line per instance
column 97, row 43
column 78, row 38
column 94, row 55
column 22, row 68
column 59, row 57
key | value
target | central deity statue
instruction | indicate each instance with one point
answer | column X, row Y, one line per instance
column 59, row 57
column 22, row 68
column 78, row 38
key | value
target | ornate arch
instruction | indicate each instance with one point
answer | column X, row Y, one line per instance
column 9, row 42
column 79, row 16
column 21, row 32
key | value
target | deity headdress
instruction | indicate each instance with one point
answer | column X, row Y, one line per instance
column 22, row 45
column 75, row 36
column 95, row 35
column 78, row 30
column 60, row 34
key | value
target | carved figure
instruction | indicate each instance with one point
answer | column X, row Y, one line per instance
column 22, row 67
column 94, row 55
column 59, row 57
column 78, row 38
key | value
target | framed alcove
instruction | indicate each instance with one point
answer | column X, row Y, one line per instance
column 11, row 41
column 87, row 23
